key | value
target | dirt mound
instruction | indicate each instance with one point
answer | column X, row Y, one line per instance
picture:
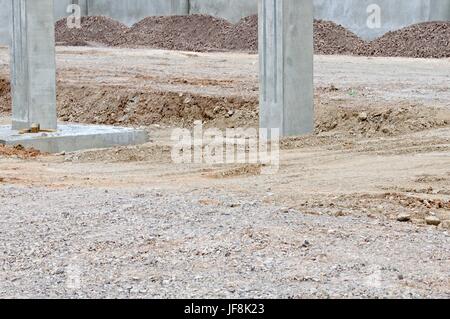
column 5, row 96
column 203, row 33
column 94, row 30
column 122, row 106
column 117, row 106
column 185, row 33
column 18, row 151
column 243, row 36
column 423, row 40
column 390, row 120
column 331, row 38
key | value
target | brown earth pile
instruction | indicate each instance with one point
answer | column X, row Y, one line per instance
column 133, row 107
column 5, row 96
column 18, row 151
column 423, row 40
column 331, row 38
column 186, row 33
column 116, row 106
column 243, row 36
column 390, row 120
column 95, row 30
column 206, row 33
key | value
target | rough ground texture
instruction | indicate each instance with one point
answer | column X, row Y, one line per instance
column 347, row 212
column 204, row 33
column 107, row 243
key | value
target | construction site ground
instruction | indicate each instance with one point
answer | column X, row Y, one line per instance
column 134, row 224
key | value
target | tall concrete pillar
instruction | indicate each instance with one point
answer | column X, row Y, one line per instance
column 33, row 67
column 286, row 66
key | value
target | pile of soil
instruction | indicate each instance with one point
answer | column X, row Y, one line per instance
column 243, row 36
column 18, row 151
column 331, row 38
column 95, row 30
column 122, row 106
column 185, row 33
column 116, row 106
column 389, row 120
column 5, row 96
column 423, row 40
column 203, row 33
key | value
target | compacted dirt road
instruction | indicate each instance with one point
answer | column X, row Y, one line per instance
column 128, row 222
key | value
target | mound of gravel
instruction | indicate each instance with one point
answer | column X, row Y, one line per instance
column 186, row 33
column 423, row 40
column 5, row 96
column 94, row 30
column 203, row 33
column 243, row 36
column 331, row 38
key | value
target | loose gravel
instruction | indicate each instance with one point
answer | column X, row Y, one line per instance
column 93, row 243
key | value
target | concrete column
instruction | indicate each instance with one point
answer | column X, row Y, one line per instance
column 286, row 66
column 33, row 67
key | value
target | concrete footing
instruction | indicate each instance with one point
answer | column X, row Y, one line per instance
column 74, row 137
column 33, row 73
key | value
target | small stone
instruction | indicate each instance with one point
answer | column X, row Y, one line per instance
column 306, row 244
column 401, row 277
column 404, row 218
column 432, row 220
column 363, row 116
column 339, row 213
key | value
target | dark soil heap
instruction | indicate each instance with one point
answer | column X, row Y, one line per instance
column 94, row 30
column 203, row 33
column 243, row 36
column 5, row 96
column 185, row 33
column 423, row 40
column 331, row 38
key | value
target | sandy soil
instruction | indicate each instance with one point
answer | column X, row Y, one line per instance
column 381, row 149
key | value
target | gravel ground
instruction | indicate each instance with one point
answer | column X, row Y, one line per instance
column 82, row 242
